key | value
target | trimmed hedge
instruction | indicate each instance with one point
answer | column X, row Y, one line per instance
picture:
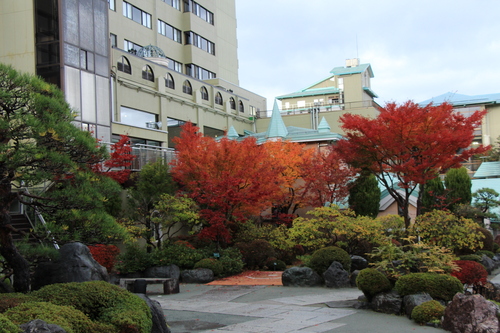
column 323, row 258
column 213, row 264
column 101, row 302
column 372, row 282
column 11, row 300
column 7, row 326
column 439, row 286
column 427, row 312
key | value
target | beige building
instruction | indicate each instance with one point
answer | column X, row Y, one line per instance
column 136, row 67
column 345, row 90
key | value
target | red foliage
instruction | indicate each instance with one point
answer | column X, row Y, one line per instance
column 116, row 166
column 229, row 180
column 471, row 273
column 105, row 255
column 407, row 144
column 185, row 243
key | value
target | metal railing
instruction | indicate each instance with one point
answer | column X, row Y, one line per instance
column 322, row 106
column 145, row 154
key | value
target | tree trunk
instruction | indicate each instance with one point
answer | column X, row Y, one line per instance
column 8, row 250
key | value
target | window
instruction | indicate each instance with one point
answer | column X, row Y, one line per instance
column 169, row 81
column 136, row 15
column 83, row 59
column 232, row 103
column 174, row 3
column 241, row 108
column 131, row 47
column 200, row 42
column 218, row 98
column 111, row 4
column 199, row 72
column 147, row 73
column 124, row 65
column 169, row 31
column 186, row 88
column 204, row 93
column 174, row 65
column 113, row 40
column 138, row 118
column 198, row 10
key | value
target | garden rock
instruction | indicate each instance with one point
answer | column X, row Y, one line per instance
column 390, row 303
column 470, row 314
column 488, row 263
column 170, row 271
column 358, row 263
column 491, row 291
column 411, row 301
column 336, row 276
column 354, row 276
column 200, row 275
column 301, row 277
column 75, row 264
column 39, row 326
column 158, row 318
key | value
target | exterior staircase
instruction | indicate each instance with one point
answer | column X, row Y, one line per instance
column 21, row 222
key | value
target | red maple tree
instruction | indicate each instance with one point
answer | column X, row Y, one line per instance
column 407, row 144
column 116, row 167
column 229, row 180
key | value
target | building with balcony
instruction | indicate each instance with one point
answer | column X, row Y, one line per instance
column 140, row 68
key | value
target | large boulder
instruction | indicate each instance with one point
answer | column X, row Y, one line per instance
column 75, row 264
column 39, row 326
column 336, row 276
column 411, row 301
column 301, row 277
column 470, row 314
column 157, row 316
column 488, row 263
column 200, row 275
column 358, row 263
column 389, row 302
column 490, row 291
column 170, row 271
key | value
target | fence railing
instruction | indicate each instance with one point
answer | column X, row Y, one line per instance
column 145, row 154
column 319, row 106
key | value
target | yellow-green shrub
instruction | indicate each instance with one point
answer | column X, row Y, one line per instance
column 372, row 282
column 427, row 311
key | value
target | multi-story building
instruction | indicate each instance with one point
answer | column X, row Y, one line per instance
column 140, row 68
column 346, row 89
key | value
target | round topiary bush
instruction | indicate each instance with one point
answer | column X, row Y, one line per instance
column 7, row 326
column 372, row 282
column 213, row 264
column 323, row 258
column 427, row 311
column 69, row 318
column 232, row 261
column 489, row 254
column 487, row 241
column 439, row 286
column 471, row 257
column 101, row 302
column 274, row 264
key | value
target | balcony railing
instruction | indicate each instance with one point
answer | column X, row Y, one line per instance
column 321, row 106
column 145, row 154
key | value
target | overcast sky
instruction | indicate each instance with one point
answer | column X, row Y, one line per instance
column 417, row 49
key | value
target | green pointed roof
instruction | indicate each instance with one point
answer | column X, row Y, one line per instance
column 232, row 134
column 276, row 128
column 323, row 126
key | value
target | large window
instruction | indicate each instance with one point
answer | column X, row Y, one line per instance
column 174, row 3
column 174, row 65
column 204, row 93
column 111, row 4
column 198, row 10
column 131, row 47
column 147, row 73
column 113, row 40
column 218, row 98
column 241, row 108
column 137, row 14
column 200, row 42
column 187, row 88
column 167, row 30
column 199, row 72
column 232, row 103
column 169, row 81
column 138, row 118
column 123, row 65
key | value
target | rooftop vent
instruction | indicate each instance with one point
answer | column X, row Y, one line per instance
column 354, row 62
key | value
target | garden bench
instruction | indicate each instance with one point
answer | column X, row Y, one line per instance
column 170, row 285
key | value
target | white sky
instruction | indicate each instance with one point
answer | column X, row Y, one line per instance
column 417, row 49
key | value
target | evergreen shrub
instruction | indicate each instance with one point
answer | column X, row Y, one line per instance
column 133, row 259
column 372, row 282
column 438, row 286
column 323, row 258
column 471, row 257
column 427, row 311
column 11, row 300
column 102, row 302
column 487, row 241
column 210, row 263
column 178, row 254
column 7, row 326
column 232, row 261
column 274, row 264
column 489, row 254
column 256, row 253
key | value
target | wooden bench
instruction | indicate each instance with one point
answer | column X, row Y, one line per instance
column 170, row 285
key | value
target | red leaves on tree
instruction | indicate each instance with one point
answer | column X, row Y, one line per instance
column 116, row 167
column 407, row 144
column 228, row 179
column 470, row 273
column 105, row 255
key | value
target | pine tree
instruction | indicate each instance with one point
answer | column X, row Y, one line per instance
column 364, row 195
column 458, row 184
column 432, row 195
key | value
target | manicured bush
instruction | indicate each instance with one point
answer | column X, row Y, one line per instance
column 471, row 257
column 180, row 254
column 438, row 286
column 427, row 311
column 210, row 263
column 69, row 318
column 11, row 300
column 133, row 259
column 489, row 254
column 274, row 264
column 471, row 273
column 256, row 253
column 105, row 255
column 7, row 326
column 101, row 302
column 372, row 282
column 496, row 247
column 487, row 240
column 323, row 258
column 232, row 261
